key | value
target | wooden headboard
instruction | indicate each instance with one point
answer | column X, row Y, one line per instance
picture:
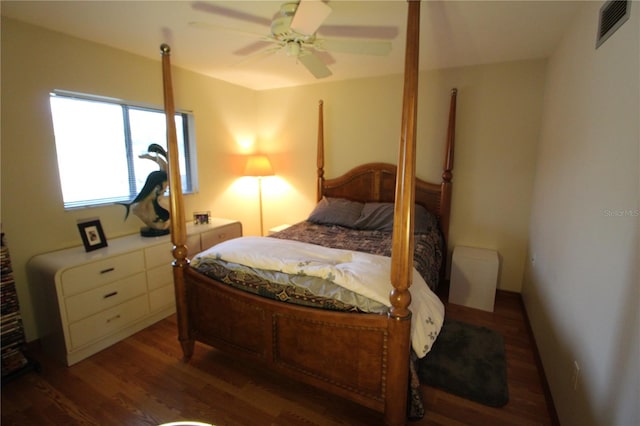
column 377, row 181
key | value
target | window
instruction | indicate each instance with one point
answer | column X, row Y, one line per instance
column 99, row 143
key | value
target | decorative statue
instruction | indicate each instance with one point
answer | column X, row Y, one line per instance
column 147, row 204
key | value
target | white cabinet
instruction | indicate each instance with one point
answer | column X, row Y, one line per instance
column 474, row 275
column 86, row 302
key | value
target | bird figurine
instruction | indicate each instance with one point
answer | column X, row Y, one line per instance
column 148, row 203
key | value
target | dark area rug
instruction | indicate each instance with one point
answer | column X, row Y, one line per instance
column 467, row 361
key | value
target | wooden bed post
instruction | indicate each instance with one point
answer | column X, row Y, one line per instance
column 178, row 224
column 403, row 243
column 320, row 148
column 447, row 168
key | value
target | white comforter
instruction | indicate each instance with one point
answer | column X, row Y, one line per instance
column 363, row 273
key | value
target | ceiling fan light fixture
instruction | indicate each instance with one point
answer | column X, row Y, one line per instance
column 293, row 48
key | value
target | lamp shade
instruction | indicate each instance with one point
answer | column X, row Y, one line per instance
column 258, row 165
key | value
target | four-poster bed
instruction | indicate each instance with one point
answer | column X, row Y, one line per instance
column 364, row 357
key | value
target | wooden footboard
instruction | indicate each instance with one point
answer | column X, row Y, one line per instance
column 346, row 354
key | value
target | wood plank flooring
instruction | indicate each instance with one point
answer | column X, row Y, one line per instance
column 141, row 381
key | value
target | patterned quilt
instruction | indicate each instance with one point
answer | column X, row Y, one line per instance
column 303, row 291
column 427, row 254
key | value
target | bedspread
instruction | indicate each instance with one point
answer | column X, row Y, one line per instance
column 428, row 252
column 362, row 273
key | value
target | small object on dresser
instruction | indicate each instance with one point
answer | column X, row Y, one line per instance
column 201, row 218
column 92, row 234
column 151, row 204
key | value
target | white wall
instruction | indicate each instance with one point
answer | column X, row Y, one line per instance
column 582, row 290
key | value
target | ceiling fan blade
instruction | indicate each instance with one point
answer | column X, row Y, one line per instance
column 253, row 47
column 359, row 47
column 310, row 14
column 325, row 57
column 376, row 32
column 257, row 56
column 315, row 65
column 203, row 6
column 213, row 27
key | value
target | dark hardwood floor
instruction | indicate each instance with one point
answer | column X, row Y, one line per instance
column 141, row 381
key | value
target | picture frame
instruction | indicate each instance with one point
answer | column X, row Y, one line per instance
column 92, row 234
column 201, row 218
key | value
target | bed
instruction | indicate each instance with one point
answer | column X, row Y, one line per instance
column 358, row 355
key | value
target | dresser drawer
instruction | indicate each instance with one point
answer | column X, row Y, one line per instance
column 162, row 298
column 107, row 322
column 91, row 275
column 158, row 255
column 220, row 234
column 90, row 302
column 193, row 245
column 160, row 276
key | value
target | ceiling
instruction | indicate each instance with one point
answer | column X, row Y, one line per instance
column 205, row 36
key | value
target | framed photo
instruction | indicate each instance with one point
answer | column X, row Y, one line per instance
column 92, row 234
column 201, row 218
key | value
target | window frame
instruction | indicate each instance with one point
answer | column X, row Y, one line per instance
column 188, row 129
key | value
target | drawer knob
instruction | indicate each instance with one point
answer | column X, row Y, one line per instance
column 108, row 295
column 104, row 271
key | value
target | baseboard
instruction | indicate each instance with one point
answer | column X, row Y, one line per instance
column 543, row 377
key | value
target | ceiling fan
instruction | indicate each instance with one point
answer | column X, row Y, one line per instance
column 294, row 30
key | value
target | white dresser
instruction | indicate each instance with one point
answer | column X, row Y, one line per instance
column 86, row 302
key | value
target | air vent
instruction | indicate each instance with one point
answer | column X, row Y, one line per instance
column 613, row 14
